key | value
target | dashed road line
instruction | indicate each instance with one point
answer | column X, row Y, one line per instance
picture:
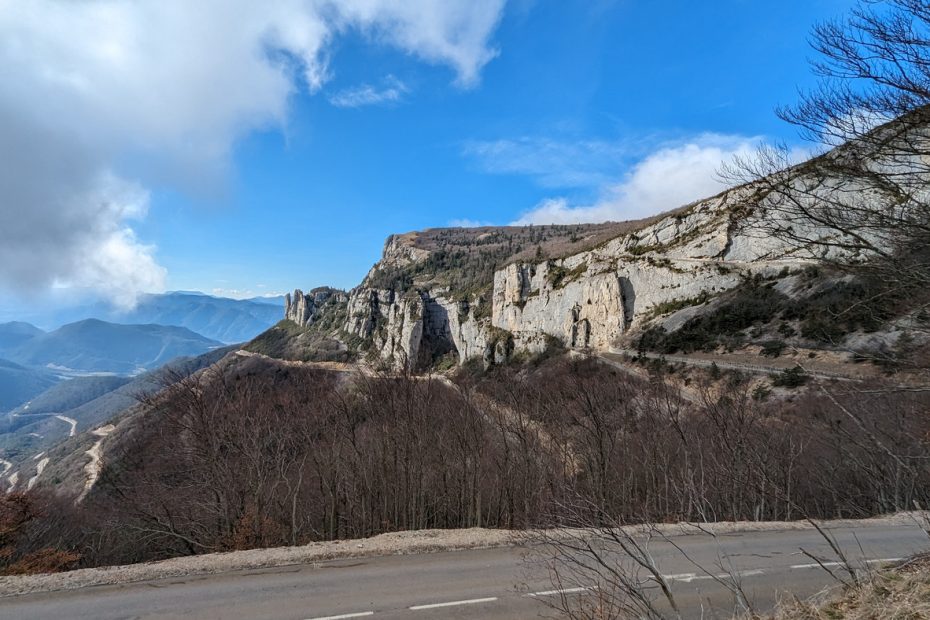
column 815, row 565
column 562, row 591
column 472, row 601
column 744, row 573
column 679, row 577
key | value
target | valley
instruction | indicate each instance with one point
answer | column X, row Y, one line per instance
column 75, row 378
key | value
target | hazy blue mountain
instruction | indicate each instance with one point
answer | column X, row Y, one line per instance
column 97, row 346
column 19, row 384
column 277, row 301
column 218, row 318
column 225, row 320
column 15, row 333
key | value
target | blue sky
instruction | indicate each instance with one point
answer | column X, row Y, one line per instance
column 261, row 174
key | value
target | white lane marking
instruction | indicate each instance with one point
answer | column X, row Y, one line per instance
column 689, row 577
column 360, row 614
column 563, row 591
column 744, row 573
column 821, row 565
column 473, row 601
column 835, row 564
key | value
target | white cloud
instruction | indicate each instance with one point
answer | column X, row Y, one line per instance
column 174, row 83
column 452, row 32
column 670, row 177
column 366, row 94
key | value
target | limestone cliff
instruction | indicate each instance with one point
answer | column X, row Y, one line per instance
column 305, row 309
column 487, row 293
column 592, row 298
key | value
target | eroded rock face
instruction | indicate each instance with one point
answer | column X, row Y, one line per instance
column 414, row 329
column 586, row 312
column 592, row 298
column 586, row 300
column 304, row 309
column 391, row 323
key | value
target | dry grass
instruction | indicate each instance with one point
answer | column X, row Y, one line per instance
column 896, row 594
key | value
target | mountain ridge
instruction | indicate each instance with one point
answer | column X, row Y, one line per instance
column 93, row 345
column 218, row 318
column 451, row 295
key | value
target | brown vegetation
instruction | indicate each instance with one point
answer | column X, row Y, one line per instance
column 34, row 536
column 257, row 453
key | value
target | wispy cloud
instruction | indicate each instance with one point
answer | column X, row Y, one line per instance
column 392, row 91
column 552, row 162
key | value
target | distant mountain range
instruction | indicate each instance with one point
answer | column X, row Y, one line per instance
column 217, row 318
column 96, row 339
column 94, row 346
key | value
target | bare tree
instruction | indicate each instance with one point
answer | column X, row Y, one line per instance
column 604, row 572
column 864, row 206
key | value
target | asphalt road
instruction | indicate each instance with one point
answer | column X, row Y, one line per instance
column 491, row 583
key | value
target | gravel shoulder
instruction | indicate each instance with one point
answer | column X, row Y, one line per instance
column 398, row 543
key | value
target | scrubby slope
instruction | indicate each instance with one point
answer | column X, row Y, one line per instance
column 44, row 430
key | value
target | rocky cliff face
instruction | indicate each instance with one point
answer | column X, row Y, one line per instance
column 585, row 299
column 415, row 328
column 305, row 309
column 593, row 298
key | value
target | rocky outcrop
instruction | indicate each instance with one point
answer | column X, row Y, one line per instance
column 304, row 309
column 586, row 312
column 414, row 329
column 391, row 324
column 589, row 299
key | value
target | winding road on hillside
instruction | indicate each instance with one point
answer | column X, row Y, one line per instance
column 486, row 583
